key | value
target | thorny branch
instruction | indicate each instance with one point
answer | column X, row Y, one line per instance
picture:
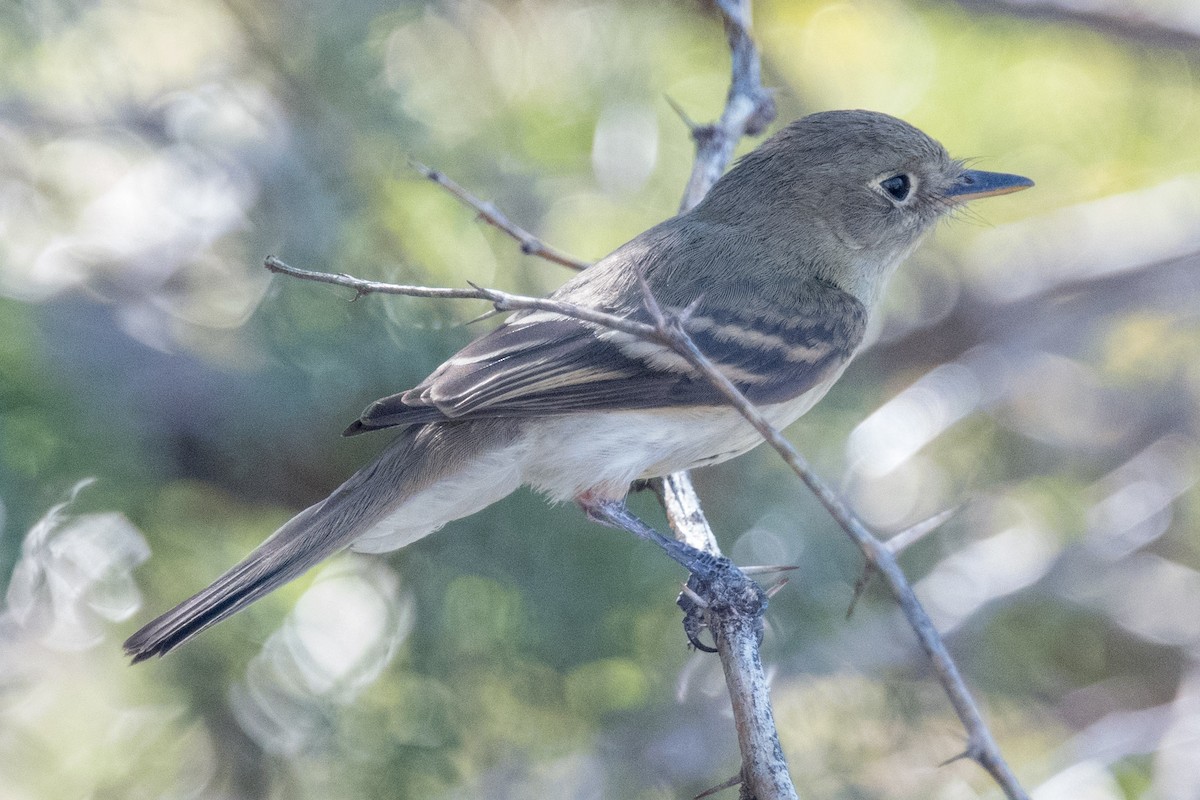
column 735, row 620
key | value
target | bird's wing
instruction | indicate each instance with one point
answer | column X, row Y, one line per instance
column 546, row 364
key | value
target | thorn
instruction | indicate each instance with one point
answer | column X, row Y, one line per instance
column 774, row 590
column 964, row 754
column 487, row 293
column 914, row 533
column 690, row 309
column 426, row 172
column 720, row 787
column 859, row 588
column 497, row 299
column 650, row 301
column 688, row 121
column 485, row 315
column 769, row 569
column 695, row 598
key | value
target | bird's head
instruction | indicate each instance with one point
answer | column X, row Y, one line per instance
column 848, row 194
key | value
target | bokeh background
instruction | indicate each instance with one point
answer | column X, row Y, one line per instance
column 165, row 403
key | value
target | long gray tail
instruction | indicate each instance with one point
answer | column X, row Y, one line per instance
column 420, row 456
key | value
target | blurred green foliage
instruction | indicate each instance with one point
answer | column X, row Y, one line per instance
column 152, row 153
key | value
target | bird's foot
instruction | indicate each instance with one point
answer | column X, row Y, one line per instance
column 615, row 514
column 715, row 586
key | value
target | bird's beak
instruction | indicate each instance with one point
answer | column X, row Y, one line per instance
column 973, row 184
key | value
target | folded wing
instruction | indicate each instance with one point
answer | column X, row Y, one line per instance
column 546, row 364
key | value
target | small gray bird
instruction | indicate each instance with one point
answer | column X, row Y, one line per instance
column 781, row 265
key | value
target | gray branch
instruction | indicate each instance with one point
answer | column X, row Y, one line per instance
column 749, row 108
column 1157, row 25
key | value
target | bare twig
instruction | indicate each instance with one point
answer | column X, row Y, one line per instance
column 1128, row 21
column 749, row 108
column 501, row 301
column 667, row 330
column 684, row 512
column 489, row 213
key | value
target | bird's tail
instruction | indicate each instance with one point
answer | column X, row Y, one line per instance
column 372, row 497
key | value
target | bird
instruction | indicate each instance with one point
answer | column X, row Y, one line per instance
column 779, row 269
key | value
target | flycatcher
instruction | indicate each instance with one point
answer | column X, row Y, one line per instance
column 781, row 264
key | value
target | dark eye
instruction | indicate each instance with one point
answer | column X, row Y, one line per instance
column 898, row 186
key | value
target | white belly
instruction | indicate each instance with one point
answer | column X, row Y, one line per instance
column 599, row 453
column 603, row 452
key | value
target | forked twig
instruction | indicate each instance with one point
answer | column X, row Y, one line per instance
column 489, row 213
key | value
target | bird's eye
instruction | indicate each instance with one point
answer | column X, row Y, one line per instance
column 898, row 186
